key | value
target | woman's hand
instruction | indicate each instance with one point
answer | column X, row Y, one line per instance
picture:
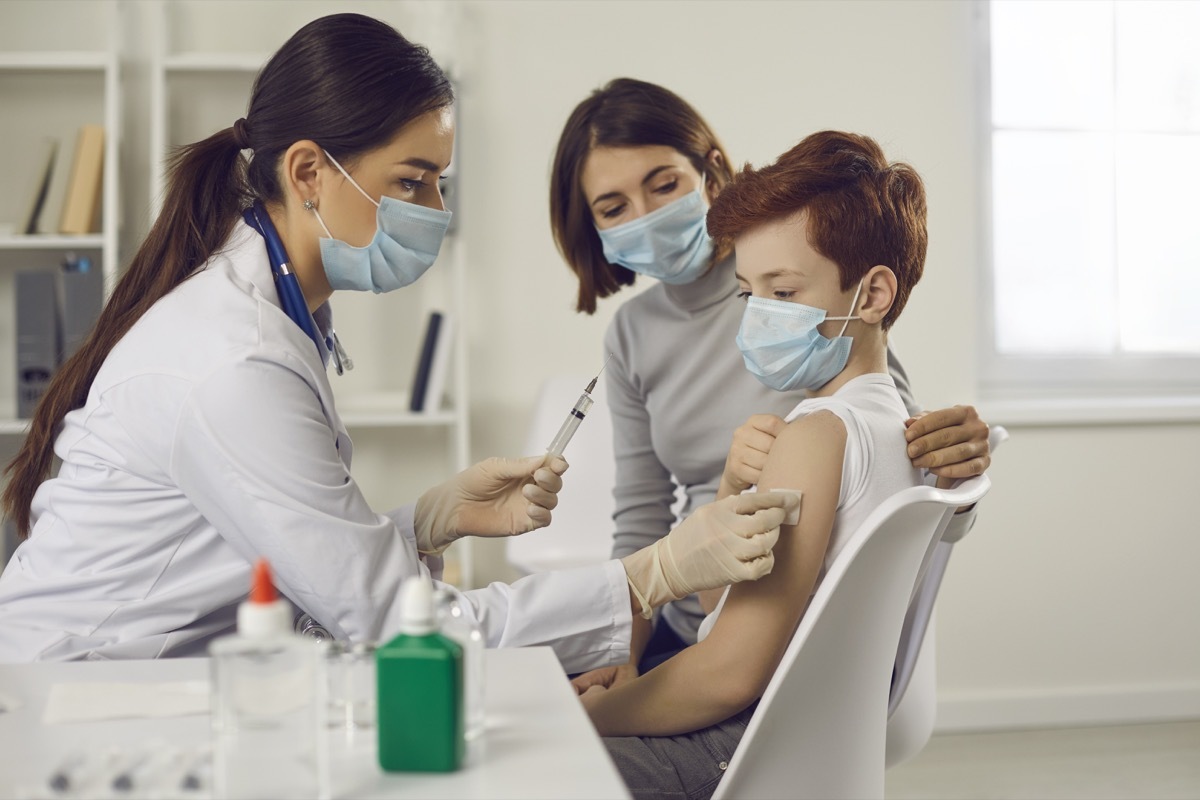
column 496, row 497
column 951, row 443
column 752, row 443
column 605, row 677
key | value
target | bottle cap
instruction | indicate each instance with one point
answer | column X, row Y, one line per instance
column 416, row 606
column 265, row 613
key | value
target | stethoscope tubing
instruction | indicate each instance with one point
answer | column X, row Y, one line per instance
column 291, row 298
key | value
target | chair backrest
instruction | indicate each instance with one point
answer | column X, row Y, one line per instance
column 912, row 705
column 582, row 527
column 819, row 730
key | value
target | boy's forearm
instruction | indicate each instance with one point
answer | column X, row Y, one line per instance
column 725, row 490
column 683, row 694
column 639, row 637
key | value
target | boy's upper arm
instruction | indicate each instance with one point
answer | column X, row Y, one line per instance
column 759, row 617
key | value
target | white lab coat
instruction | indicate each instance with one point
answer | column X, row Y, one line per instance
column 210, row 438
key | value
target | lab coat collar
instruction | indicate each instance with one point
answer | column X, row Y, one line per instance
column 246, row 247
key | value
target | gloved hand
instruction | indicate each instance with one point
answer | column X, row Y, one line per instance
column 720, row 543
column 496, row 497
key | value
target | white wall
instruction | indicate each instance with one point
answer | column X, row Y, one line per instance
column 1074, row 599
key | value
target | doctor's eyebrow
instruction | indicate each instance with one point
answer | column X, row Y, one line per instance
column 421, row 164
column 649, row 177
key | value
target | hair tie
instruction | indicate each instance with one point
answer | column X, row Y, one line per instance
column 241, row 135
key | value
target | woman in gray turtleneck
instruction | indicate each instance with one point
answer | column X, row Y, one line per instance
column 634, row 174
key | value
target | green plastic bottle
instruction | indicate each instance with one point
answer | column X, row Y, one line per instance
column 419, row 680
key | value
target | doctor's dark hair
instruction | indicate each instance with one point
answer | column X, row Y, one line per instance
column 623, row 113
column 862, row 210
column 346, row 81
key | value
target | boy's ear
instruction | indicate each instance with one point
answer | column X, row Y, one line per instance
column 878, row 294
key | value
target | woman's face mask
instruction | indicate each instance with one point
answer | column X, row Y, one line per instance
column 406, row 243
column 782, row 347
column 670, row 243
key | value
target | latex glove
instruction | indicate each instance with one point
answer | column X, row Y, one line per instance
column 752, row 442
column 496, row 497
column 725, row 542
column 606, row 677
column 951, row 443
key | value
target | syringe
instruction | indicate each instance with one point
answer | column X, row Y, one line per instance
column 575, row 416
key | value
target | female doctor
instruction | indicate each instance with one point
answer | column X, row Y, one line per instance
column 197, row 429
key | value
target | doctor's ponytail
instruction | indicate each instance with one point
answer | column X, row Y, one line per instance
column 347, row 81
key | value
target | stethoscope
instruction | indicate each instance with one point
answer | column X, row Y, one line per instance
column 291, row 299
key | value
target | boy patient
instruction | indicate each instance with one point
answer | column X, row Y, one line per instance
column 830, row 240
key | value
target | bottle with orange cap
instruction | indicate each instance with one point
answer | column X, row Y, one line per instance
column 267, row 702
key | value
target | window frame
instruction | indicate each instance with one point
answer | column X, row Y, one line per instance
column 1163, row 386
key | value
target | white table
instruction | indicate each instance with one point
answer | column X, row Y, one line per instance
column 538, row 742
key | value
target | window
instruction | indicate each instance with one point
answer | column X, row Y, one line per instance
column 1095, row 198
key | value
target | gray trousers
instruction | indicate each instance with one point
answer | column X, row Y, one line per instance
column 684, row 767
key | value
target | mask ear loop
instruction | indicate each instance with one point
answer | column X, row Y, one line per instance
column 853, row 304
column 353, row 182
column 311, row 206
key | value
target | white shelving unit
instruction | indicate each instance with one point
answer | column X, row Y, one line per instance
column 217, row 81
column 72, row 71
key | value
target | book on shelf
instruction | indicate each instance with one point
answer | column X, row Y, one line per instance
column 429, row 381
column 56, row 193
column 81, row 203
column 36, row 198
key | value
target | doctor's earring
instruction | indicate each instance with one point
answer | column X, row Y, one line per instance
column 309, row 205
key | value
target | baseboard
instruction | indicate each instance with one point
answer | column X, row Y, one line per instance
column 960, row 712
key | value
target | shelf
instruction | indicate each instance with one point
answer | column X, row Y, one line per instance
column 389, row 410
column 14, row 427
column 45, row 241
column 395, row 419
column 214, row 62
column 66, row 61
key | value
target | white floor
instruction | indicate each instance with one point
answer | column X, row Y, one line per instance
column 1142, row 762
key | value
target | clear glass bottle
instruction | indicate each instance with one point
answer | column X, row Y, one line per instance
column 462, row 628
column 268, row 703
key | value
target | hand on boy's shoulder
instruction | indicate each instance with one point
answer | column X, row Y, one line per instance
column 950, row 442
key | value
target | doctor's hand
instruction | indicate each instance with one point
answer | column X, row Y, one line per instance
column 951, row 443
column 752, row 442
column 496, row 497
column 723, row 542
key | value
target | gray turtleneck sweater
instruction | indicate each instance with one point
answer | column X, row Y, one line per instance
column 677, row 390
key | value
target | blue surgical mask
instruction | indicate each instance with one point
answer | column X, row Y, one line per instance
column 781, row 346
column 670, row 243
column 406, row 243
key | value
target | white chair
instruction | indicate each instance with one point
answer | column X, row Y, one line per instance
column 912, row 705
column 581, row 530
column 820, row 727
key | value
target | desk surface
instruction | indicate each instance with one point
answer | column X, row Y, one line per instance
column 538, row 742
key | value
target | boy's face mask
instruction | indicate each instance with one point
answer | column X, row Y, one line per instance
column 406, row 243
column 782, row 348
